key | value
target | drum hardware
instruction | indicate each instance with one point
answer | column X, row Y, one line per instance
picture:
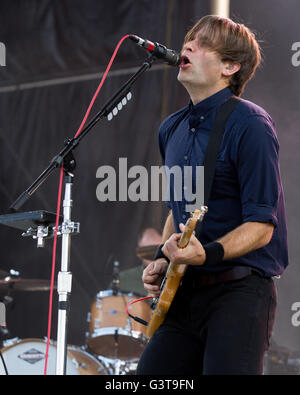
column 44, row 232
column 78, row 364
column 4, row 334
column 3, row 274
column 117, row 366
column 116, row 278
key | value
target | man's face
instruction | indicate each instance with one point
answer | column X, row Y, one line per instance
column 200, row 67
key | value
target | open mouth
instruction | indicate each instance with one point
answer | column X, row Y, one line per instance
column 184, row 61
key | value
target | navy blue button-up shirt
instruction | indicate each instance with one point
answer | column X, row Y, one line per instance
column 247, row 185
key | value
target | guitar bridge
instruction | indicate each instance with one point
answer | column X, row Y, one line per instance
column 155, row 300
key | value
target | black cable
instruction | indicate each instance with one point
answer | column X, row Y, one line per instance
column 138, row 319
column 4, row 364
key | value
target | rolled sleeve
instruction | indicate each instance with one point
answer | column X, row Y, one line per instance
column 259, row 213
column 258, row 171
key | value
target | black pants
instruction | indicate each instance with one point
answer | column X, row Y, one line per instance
column 217, row 329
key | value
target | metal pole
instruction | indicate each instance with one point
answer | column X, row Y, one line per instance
column 64, row 282
column 221, row 8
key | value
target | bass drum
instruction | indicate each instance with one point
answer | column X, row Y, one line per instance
column 27, row 357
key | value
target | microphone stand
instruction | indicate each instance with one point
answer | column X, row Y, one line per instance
column 65, row 157
column 109, row 109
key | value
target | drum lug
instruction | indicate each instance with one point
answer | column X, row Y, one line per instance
column 10, row 342
column 80, row 364
column 128, row 326
column 97, row 323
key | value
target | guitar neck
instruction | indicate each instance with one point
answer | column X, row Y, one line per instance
column 187, row 233
column 178, row 270
column 173, row 276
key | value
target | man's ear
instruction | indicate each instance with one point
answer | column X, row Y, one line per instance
column 230, row 68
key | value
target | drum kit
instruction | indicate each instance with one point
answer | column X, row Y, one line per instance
column 114, row 342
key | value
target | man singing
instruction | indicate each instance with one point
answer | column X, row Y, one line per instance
column 221, row 319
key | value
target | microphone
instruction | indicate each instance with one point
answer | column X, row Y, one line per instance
column 160, row 51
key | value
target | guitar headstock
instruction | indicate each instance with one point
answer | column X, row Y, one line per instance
column 198, row 214
column 189, row 227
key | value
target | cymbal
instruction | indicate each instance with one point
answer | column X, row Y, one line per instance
column 147, row 252
column 21, row 284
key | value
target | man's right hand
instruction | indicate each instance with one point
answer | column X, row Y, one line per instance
column 153, row 275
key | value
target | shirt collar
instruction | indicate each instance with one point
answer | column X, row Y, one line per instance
column 210, row 102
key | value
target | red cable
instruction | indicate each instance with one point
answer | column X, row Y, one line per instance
column 100, row 85
column 135, row 301
column 59, row 199
column 53, row 266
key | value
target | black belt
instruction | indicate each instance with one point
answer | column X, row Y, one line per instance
column 203, row 279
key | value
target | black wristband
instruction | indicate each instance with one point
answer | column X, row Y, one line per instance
column 214, row 253
column 160, row 254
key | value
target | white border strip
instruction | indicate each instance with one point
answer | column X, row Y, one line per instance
column 78, row 78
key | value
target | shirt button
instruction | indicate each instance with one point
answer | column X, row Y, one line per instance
column 192, row 130
column 202, row 117
column 184, row 216
column 185, row 157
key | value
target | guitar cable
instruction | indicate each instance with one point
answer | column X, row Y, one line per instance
column 135, row 318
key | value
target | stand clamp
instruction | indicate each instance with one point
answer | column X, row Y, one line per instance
column 41, row 232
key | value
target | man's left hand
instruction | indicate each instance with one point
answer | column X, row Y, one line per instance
column 192, row 254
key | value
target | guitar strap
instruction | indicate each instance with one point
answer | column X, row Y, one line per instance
column 213, row 146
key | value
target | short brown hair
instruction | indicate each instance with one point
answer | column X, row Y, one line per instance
column 234, row 42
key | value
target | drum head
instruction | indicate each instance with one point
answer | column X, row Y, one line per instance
column 27, row 357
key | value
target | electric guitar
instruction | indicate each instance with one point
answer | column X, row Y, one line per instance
column 173, row 276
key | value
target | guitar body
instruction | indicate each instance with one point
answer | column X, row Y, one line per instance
column 173, row 277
